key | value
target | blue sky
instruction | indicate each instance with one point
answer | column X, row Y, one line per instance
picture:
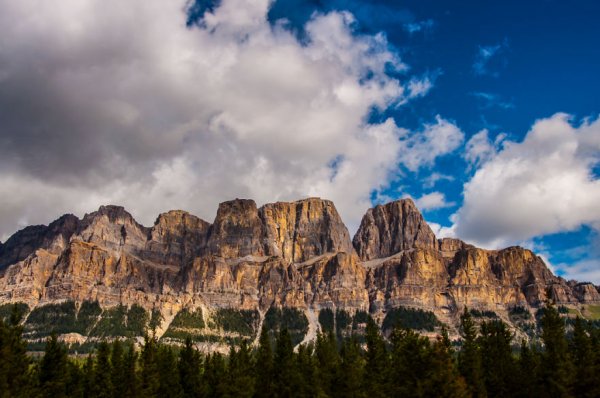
column 485, row 113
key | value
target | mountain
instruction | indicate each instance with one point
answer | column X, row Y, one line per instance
column 285, row 263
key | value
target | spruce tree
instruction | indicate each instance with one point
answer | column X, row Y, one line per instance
column 469, row 358
column 102, row 373
column 131, row 378
column 117, row 363
column 377, row 365
column 168, row 374
column 189, row 367
column 150, row 376
column 557, row 368
column 443, row 378
column 328, row 361
column 352, row 370
column 53, row 369
column 286, row 377
column 499, row 366
column 263, row 374
column 527, row 381
column 586, row 377
column 214, row 376
column 307, row 369
column 15, row 378
column 239, row 373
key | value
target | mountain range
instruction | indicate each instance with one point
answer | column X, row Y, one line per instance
column 255, row 265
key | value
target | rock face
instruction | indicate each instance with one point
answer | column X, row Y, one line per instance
column 392, row 228
column 286, row 254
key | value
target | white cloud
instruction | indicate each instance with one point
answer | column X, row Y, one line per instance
column 479, row 149
column 118, row 102
column 418, row 26
column 582, row 271
column 539, row 186
column 441, row 231
column 421, row 149
column 432, row 201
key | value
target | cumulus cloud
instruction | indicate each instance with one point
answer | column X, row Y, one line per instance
column 542, row 185
column 479, row 149
column 422, row 148
column 432, row 201
column 120, row 102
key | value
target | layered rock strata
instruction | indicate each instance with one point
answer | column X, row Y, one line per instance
column 286, row 254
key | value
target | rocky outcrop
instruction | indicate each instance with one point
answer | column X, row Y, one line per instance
column 298, row 231
column 286, row 254
column 391, row 228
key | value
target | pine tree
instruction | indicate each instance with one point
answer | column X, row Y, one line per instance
column 527, row 379
column 352, row 370
column 443, row 378
column 239, row 373
column 499, row 366
column 189, row 367
column 131, row 379
column 263, row 374
column 214, row 376
column 117, row 363
column 286, row 377
column 74, row 380
column 328, row 361
column 169, row 385
column 556, row 367
column 469, row 358
column 377, row 365
column 410, row 362
column 15, row 378
column 307, row 368
column 102, row 386
column 583, row 358
column 53, row 369
column 150, row 376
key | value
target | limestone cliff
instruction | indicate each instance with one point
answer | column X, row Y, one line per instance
column 286, row 254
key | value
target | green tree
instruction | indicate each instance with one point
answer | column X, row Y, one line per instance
column 286, row 377
column 150, row 375
column 352, row 370
column 328, row 361
column 377, row 365
column 53, row 369
column 15, row 378
column 307, row 368
column 264, row 366
column 214, row 376
column 117, row 364
column 499, row 366
column 586, row 377
column 189, row 367
column 169, row 385
column 556, row 369
column 469, row 358
column 527, row 379
column 131, row 377
column 240, row 381
column 102, row 386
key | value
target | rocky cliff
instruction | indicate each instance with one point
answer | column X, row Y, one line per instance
column 295, row 255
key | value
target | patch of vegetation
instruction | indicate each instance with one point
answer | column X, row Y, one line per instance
column 123, row 322
column 188, row 319
column 243, row 322
column 156, row 319
column 410, row 318
column 6, row 310
column 562, row 309
column 292, row 319
column 593, row 312
column 88, row 314
column 326, row 320
column 52, row 318
column 360, row 317
column 519, row 312
column 483, row 314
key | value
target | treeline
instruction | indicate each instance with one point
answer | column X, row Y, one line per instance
column 487, row 364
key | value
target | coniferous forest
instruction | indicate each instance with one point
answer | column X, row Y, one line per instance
column 486, row 362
